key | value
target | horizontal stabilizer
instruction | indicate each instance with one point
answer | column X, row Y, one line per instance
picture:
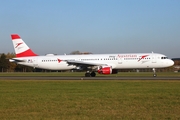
column 16, row 60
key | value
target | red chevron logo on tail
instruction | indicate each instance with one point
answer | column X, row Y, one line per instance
column 18, row 45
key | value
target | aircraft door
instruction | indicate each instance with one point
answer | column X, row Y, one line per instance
column 153, row 59
column 35, row 62
column 120, row 60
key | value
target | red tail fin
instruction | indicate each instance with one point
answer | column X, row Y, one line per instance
column 20, row 47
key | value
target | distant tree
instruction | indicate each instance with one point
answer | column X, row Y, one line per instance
column 22, row 68
column 75, row 52
column 177, row 62
column 11, row 65
column 18, row 68
column 79, row 53
column 3, row 63
column 10, row 55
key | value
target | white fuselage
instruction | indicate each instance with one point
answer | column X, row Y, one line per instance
column 116, row 61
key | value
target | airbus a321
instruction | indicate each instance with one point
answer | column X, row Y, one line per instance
column 92, row 63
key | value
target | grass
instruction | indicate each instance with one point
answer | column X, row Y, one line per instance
column 87, row 100
column 122, row 74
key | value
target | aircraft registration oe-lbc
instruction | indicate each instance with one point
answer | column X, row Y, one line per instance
column 92, row 63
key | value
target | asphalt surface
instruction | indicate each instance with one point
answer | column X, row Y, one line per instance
column 84, row 78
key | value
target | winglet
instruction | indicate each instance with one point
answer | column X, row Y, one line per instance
column 20, row 47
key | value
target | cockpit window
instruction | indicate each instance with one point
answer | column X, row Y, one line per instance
column 164, row 57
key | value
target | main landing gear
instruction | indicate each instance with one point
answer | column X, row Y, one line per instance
column 154, row 72
column 90, row 74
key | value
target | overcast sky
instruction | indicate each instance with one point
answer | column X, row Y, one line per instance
column 97, row 26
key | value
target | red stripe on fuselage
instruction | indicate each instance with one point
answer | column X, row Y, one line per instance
column 26, row 53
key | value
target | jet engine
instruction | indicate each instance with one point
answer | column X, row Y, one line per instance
column 107, row 70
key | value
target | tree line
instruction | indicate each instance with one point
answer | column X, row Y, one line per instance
column 6, row 66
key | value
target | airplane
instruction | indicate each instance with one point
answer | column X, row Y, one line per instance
column 92, row 63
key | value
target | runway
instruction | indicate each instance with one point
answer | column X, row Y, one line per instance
column 84, row 78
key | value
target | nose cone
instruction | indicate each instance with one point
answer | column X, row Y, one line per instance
column 170, row 62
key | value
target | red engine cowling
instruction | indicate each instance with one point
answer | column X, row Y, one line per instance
column 107, row 70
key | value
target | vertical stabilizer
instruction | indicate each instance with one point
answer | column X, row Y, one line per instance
column 20, row 47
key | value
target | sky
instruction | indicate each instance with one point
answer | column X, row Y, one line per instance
column 96, row 26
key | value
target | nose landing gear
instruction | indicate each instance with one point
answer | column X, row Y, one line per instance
column 154, row 72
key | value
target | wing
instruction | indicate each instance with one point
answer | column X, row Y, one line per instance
column 82, row 63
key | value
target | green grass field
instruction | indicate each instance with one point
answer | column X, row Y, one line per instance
column 89, row 100
column 135, row 74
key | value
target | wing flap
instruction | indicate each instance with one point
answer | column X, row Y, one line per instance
column 80, row 63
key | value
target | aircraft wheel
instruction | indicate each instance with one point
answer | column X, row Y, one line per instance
column 93, row 74
column 154, row 75
column 87, row 75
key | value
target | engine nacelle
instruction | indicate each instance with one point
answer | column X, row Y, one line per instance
column 107, row 70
